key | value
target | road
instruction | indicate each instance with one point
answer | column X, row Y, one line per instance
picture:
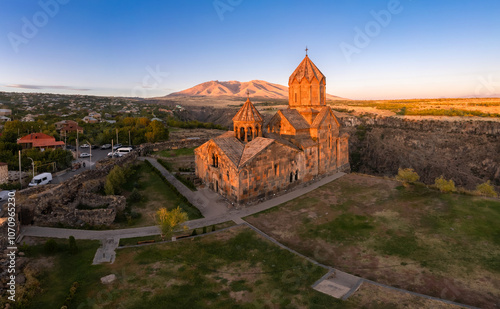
column 97, row 154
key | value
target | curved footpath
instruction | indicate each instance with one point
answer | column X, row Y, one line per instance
column 216, row 209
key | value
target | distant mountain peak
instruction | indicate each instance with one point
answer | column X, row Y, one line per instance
column 233, row 88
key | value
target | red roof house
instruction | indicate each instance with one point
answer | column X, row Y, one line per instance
column 39, row 140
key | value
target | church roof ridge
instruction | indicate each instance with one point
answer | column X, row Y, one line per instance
column 248, row 112
column 306, row 69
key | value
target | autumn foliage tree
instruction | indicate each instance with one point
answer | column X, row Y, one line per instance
column 445, row 185
column 407, row 175
column 171, row 220
column 486, row 189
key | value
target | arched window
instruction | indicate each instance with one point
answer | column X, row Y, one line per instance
column 242, row 134
column 213, row 159
column 257, row 131
column 249, row 134
column 216, row 161
column 297, row 175
column 276, row 169
column 291, row 176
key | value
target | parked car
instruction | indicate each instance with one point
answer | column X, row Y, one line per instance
column 4, row 195
column 69, row 147
column 110, row 154
column 42, row 179
column 106, row 146
column 117, row 154
column 117, row 146
column 94, row 147
column 85, row 146
column 124, row 150
column 85, row 155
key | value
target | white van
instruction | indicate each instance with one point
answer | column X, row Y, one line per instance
column 42, row 179
column 124, row 150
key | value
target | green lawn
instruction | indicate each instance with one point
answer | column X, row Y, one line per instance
column 155, row 195
column 56, row 281
column 169, row 153
column 229, row 269
column 378, row 229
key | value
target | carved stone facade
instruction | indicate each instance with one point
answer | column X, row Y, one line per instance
column 299, row 144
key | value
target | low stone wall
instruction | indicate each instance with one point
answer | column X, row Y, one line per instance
column 177, row 144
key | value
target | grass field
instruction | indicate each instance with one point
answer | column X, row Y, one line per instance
column 445, row 245
column 57, row 272
column 232, row 268
column 479, row 107
column 155, row 195
column 169, row 153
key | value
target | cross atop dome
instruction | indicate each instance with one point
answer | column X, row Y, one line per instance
column 306, row 50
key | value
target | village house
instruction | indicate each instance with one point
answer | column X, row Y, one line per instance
column 39, row 140
column 299, row 144
column 68, row 126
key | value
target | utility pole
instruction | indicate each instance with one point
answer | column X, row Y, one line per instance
column 77, row 144
column 20, row 179
column 90, row 159
column 117, row 136
column 129, row 143
column 33, row 165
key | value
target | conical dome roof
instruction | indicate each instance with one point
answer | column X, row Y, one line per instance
column 248, row 113
column 306, row 69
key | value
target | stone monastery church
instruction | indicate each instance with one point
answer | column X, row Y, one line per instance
column 299, row 144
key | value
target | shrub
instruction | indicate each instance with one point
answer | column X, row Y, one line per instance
column 486, row 189
column 407, row 175
column 445, row 185
column 135, row 196
column 170, row 220
column 73, row 249
column 50, row 246
column 115, row 180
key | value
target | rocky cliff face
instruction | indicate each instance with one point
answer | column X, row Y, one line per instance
column 466, row 151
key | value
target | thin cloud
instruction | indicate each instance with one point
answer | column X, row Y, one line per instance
column 24, row 86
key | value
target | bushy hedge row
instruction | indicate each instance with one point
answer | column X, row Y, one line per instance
column 189, row 208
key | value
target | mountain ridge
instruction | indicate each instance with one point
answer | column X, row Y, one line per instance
column 233, row 88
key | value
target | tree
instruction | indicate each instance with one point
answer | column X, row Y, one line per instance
column 170, row 220
column 156, row 132
column 486, row 189
column 114, row 181
column 407, row 175
column 445, row 185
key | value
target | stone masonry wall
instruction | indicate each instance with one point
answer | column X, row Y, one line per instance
column 59, row 204
column 466, row 151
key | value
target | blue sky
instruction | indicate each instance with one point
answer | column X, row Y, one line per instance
column 367, row 49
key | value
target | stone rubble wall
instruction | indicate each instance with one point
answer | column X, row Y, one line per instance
column 52, row 205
